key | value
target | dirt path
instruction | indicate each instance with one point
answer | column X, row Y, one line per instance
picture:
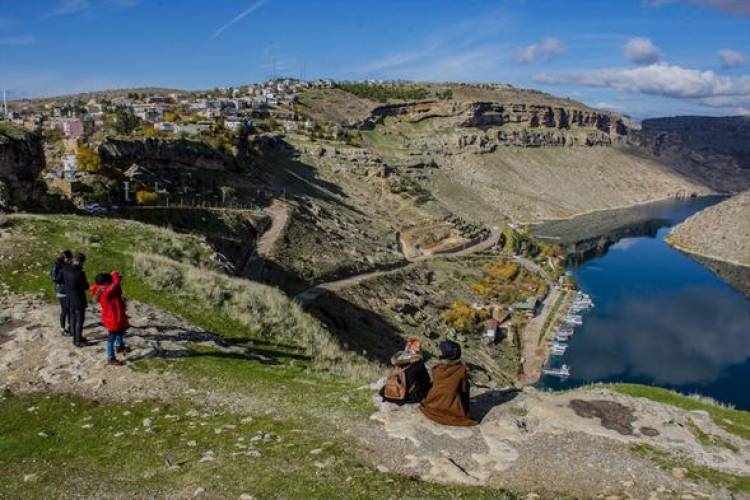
column 311, row 294
column 278, row 211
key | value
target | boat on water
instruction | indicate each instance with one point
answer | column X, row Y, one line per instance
column 562, row 372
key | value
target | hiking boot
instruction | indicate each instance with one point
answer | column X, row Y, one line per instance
column 115, row 362
column 123, row 349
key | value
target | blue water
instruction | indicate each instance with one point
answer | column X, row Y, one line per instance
column 660, row 318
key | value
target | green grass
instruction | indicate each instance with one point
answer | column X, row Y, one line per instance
column 734, row 483
column 58, row 446
column 736, row 422
column 237, row 310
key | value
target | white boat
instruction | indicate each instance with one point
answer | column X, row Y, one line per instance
column 562, row 372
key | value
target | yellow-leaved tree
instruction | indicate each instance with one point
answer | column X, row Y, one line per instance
column 88, row 159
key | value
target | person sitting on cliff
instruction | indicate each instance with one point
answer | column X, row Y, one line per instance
column 409, row 380
column 447, row 403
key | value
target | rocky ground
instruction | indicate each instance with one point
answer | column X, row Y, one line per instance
column 720, row 232
column 584, row 443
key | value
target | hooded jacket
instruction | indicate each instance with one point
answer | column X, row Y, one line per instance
column 110, row 299
column 447, row 402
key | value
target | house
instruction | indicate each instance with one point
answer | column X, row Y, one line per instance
column 69, row 167
column 71, row 128
column 235, row 124
column 151, row 114
column 491, row 327
column 530, row 306
column 165, row 127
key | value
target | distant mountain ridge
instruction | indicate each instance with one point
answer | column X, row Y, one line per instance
column 714, row 151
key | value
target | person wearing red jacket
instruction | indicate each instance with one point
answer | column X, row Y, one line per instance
column 107, row 291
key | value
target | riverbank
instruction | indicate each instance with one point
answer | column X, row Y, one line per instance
column 720, row 232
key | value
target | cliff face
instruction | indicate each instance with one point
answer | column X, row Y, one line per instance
column 483, row 126
column 158, row 153
column 527, row 158
column 21, row 162
column 713, row 151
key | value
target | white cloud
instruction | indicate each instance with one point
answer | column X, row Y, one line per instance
column 641, row 51
column 741, row 7
column 657, row 79
column 545, row 50
column 17, row 40
column 731, row 58
column 239, row 17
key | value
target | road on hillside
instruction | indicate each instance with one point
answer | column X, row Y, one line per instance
column 311, row 294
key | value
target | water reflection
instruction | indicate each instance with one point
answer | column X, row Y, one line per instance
column 660, row 318
column 688, row 337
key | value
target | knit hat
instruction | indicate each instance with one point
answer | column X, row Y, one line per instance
column 450, row 350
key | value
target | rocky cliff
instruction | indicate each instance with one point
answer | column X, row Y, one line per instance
column 521, row 155
column 156, row 153
column 21, row 161
column 712, row 151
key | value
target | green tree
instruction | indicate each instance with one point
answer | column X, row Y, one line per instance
column 125, row 121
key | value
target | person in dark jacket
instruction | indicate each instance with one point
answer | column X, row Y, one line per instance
column 76, row 285
column 56, row 276
column 447, row 403
column 414, row 378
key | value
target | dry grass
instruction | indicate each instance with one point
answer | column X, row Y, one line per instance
column 261, row 308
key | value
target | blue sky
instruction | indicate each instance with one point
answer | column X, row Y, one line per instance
column 642, row 57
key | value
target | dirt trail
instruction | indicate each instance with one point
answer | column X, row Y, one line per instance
column 311, row 294
column 278, row 211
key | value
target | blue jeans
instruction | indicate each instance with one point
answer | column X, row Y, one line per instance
column 114, row 339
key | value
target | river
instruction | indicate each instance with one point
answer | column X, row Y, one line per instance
column 660, row 317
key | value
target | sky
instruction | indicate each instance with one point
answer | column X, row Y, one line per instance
column 645, row 58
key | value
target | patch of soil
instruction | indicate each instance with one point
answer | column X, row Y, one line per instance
column 613, row 416
column 649, row 431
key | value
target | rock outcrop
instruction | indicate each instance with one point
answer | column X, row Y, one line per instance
column 713, row 151
column 156, row 153
column 21, row 162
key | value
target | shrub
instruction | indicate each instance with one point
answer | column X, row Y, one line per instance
column 143, row 197
column 88, row 159
column 264, row 310
column 464, row 318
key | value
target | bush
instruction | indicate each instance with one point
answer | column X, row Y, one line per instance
column 463, row 318
column 144, row 197
column 383, row 93
column 88, row 159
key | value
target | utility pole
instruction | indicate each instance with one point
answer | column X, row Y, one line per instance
column 5, row 104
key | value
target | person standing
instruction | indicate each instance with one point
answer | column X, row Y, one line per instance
column 57, row 280
column 75, row 285
column 107, row 290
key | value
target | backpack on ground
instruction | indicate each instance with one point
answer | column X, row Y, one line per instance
column 395, row 385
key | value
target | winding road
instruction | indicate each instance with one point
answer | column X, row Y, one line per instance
column 314, row 292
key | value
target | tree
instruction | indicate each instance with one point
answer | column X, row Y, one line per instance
column 88, row 159
column 125, row 121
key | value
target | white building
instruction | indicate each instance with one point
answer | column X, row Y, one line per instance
column 165, row 127
column 69, row 167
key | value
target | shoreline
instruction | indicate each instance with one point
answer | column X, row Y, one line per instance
column 625, row 207
column 696, row 253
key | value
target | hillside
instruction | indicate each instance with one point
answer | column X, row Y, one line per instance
column 712, row 151
column 515, row 154
column 720, row 232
